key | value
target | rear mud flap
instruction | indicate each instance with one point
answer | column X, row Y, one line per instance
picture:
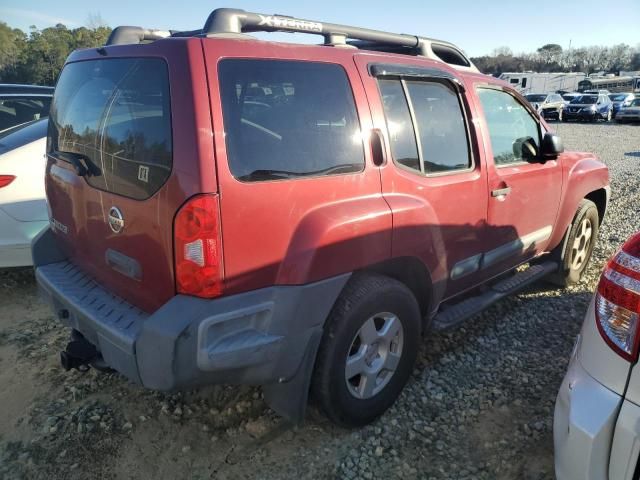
column 289, row 399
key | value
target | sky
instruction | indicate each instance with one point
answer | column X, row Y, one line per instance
column 476, row 26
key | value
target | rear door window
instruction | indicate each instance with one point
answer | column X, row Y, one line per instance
column 435, row 140
column 115, row 114
column 288, row 119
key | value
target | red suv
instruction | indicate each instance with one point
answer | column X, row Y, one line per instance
column 230, row 210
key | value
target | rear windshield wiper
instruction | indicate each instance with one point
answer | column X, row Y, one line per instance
column 82, row 163
column 266, row 174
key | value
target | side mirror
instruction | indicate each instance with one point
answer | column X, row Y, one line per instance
column 552, row 146
column 525, row 148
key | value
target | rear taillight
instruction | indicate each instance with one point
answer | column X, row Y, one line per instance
column 618, row 300
column 6, row 180
column 198, row 247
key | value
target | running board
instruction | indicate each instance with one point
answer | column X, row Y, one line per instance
column 452, row 315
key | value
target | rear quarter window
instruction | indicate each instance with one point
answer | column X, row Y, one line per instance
column 116, row 112
column 288, row 119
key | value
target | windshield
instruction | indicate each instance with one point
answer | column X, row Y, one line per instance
column 618, row 97
column 636, row 103
column 568, row 98
column 585, row 99
column 536, row 98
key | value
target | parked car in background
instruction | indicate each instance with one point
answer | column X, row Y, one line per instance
column 307, row 247
column 21, row 104
column 589, row 107
column 23, row 208
column 621, row 100
column 596, row 426
column 630, row 113
column 548, row 105
column 600, row 91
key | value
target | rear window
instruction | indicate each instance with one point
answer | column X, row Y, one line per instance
column 22, row 135
column 288, row 119
column 18, row 109
column 115, row 113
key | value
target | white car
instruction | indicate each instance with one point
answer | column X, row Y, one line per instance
column 23, row 208
column 596, row 428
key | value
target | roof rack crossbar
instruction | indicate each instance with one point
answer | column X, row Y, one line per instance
column 236, row 21
column 126, row 34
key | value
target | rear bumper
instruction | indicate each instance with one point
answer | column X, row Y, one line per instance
column 583, row 425
column 625, row 450
column 15, row 240
column 259, row 337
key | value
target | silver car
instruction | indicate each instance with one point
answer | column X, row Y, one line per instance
column 596, row 427
column 630, row 113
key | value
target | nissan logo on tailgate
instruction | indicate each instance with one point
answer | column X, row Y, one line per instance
column 116, row 220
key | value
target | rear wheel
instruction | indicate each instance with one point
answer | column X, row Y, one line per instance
column 574, row 253
column 368, row 350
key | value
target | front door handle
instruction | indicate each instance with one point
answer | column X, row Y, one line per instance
column 500, row 192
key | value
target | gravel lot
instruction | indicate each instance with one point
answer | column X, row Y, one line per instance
column 479, row 403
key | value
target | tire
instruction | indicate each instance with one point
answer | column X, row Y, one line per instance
column 574, row 252
column 368, row 301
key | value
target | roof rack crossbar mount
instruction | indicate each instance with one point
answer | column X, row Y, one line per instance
column 236, row 21
column 126, row 34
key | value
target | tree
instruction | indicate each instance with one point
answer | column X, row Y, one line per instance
column 619, row 57
column 503, row 51
column 38, row 57
column 550, row 53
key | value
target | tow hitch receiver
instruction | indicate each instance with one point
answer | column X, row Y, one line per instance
column 79, row 354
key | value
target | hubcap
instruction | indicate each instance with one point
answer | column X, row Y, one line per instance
column 581, row 244
column 374, row 355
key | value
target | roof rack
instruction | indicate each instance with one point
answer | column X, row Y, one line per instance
column 231, row 22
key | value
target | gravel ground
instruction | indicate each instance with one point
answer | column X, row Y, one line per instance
column 479, row 403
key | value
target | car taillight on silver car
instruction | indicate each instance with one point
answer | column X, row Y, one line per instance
column 617, row 302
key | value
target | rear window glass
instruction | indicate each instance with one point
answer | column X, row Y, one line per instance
column 287, row 119
column 115, row 113
column 22, row 135
column 21, row 109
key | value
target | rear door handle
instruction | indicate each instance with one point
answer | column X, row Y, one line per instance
column 500, row 191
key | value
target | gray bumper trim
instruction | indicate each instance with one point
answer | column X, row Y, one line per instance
column 258, row 337
column 108, row 322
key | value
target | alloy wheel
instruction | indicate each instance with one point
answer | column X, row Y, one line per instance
column 374, row 355
column 581, row 244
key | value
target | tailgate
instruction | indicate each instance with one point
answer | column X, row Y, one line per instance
column 111, row 180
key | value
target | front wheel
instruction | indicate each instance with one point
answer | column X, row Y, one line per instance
column 574, row 253
column 368, row 350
